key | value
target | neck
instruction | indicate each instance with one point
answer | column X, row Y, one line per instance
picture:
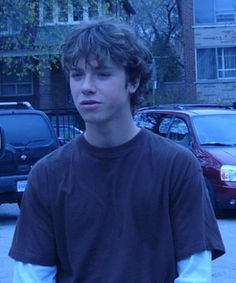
column 107, row 136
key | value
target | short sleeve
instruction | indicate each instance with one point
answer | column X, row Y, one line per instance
column 194, row 225
column 33, row 240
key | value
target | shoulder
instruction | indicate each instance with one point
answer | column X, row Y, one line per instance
column 58, row 159
column 168, row 150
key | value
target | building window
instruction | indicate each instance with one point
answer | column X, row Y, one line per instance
column 216, row 63
column 4, row 26
column 225, row 11
column 206, row 64
column 214, row 11
column 63, row 10
column 14, row 85
column 77, row 11
column 8, row 26
column 92, row 8
column 226, row 58
column 48, row 12
column 53, row 12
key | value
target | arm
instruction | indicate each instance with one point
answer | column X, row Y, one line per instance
column 195, row 269
column 29, row 273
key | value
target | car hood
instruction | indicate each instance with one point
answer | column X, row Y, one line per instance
column 225, row 155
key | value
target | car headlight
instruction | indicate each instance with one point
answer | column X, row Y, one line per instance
column 228, row 173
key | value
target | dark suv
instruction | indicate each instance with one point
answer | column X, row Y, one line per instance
column 28, row 136
column 209, row 131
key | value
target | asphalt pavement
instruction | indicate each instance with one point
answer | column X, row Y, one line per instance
column 8, row 217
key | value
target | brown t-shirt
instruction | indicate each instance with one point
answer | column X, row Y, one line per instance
column 112, row 215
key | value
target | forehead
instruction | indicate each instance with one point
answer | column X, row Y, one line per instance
column 94, row 63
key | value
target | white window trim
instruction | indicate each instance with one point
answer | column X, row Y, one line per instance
column 70, row 13
column 16, row 84
column 223, row 69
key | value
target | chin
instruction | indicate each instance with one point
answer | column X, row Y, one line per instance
column 93, row 120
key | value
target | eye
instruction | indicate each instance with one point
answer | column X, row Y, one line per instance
column 76, row 74
column 104, row 74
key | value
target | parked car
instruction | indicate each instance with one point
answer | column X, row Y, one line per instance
column 209, row 131
column 66, row 132
column 29, row 136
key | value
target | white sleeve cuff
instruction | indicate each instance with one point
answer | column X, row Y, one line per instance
column 195, row 269
column 30, row 273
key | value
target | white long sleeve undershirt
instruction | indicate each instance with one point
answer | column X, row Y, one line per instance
column 195, row 269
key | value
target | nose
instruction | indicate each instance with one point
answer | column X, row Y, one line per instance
column 88, row 85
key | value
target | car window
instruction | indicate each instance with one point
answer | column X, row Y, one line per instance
column 178, row 130
column 215, row 129
column 22, row 129
column 156, row 122
column 146, row 120
column 164, row 125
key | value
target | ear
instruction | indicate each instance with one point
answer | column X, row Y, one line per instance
column 133, row 86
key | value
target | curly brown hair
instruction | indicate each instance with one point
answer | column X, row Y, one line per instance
column 109, row 38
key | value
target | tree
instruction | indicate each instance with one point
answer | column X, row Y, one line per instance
column 158, row 22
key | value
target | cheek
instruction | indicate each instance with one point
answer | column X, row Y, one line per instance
column 74, row 89
column 120, row 96
column 74, row 94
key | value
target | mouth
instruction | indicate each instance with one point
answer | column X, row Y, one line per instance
column 90, row 105
column 89, row 102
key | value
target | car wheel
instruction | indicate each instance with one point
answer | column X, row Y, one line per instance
column 213, row 198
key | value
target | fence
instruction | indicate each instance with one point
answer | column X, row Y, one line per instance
column 66, row 122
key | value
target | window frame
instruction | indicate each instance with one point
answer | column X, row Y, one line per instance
column 16, row 84
column 220, row 66
column 70, row 12
column 218, row 16
column 10, row 28
column 224, row 12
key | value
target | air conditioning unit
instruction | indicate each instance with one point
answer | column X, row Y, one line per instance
column 225, row 18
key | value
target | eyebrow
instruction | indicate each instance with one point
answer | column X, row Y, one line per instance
column 99, row 67
column 73, row 69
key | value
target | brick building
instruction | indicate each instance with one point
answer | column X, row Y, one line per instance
column 209, row 28
column 188, row 50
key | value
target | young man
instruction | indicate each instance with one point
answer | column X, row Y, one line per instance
column 117, row 204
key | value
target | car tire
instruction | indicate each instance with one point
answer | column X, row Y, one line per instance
column 212, row 197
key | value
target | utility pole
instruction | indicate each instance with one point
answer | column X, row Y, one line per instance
column 154, row 80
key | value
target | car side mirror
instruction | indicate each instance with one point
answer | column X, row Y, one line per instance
column 2, row 142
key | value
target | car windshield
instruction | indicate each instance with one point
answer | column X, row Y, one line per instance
column 217, row 129
column 23, row 129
